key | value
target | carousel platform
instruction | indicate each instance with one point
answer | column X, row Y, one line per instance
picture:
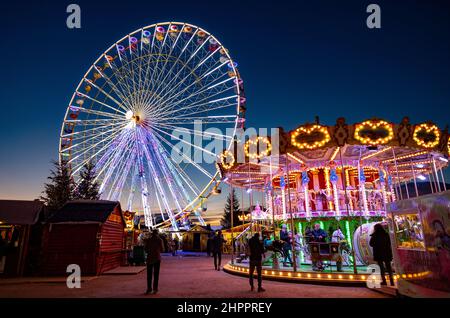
column 305, row 274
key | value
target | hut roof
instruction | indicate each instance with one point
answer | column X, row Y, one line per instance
column 85, row 211
column 19, row 212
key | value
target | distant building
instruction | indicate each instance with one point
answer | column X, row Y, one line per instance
column 196, row 238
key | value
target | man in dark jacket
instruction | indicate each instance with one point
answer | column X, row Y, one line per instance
column 256, row 252
column 217, row 249
column 153, row 247
column 382, row 252
column 319, row 235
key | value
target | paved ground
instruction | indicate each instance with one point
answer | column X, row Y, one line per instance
column 186, row 277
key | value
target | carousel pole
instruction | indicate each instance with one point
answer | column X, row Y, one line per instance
column 294, row 261
column 407, row 190
column 438, row 183
column 232, row 217
column 272, row 198
column 414, row 177
column 344, row 181
column 398, row 176
column 443, row 180
column 243, row 212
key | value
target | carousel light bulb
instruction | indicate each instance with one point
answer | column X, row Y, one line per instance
column 420, row 165
column 443, row 159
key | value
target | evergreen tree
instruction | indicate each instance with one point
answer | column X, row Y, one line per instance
column 60, row 188
column 87, row 188
column 226, row 218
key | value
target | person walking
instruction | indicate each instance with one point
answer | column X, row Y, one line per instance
column 382, row 252
column 153, row 247
column 217, row 249
column 256, row 253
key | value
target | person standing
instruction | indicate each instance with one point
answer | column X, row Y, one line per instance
column 382, row 252
column 153, row 247
column 318, row 236
column 217, row 249
column 338, row 237
column 287, row 246
column 256, row 253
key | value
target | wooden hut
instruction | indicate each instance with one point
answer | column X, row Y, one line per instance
column 87, row 233
column 20, row 236
column 196, row 239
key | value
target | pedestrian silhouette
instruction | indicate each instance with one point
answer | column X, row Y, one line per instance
column 218, row 241
column 382, row 252
column 153, row 247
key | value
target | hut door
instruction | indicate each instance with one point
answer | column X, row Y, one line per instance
column 196, row 246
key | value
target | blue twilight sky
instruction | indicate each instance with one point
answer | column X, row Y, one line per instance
column 298, row 59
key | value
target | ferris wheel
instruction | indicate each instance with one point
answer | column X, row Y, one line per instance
column 128, row 111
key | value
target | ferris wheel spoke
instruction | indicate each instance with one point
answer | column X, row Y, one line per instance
column 176, row 167
column 171, row 106
column 101, row 103
column 88, row 140
column 158, row 79
column 167, row 94
column 91, row 83
column 110, row 82
column 115, row 155
column 108, row 139
column 157, row 181
column 177, row 85
column 121, row 81
column 95, row 122
column 225, row 119
column 89, row 131
column 204, row 101
column 156, row 65
column 98, row 112
column 178, row 60
column 194, row 131
column 196, row 165
column 117, row 186
column 132, row 188
column 185, row 142
column 171, row 94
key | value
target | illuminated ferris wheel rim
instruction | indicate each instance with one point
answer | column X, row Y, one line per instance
column 216, row 177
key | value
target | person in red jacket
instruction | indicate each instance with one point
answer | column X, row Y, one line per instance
column 153, row 247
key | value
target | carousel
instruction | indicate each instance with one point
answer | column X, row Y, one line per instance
column 340, row 178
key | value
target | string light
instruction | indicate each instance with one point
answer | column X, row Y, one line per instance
column 428, row 129
column 333, row 156
column 375, row 153
column 227, row 164
column 257, row 142
column 411, row 155
column 295, row 158
column 308, row 131
column 372, row 125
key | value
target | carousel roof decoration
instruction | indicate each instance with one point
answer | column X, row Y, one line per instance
column 374, row 144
